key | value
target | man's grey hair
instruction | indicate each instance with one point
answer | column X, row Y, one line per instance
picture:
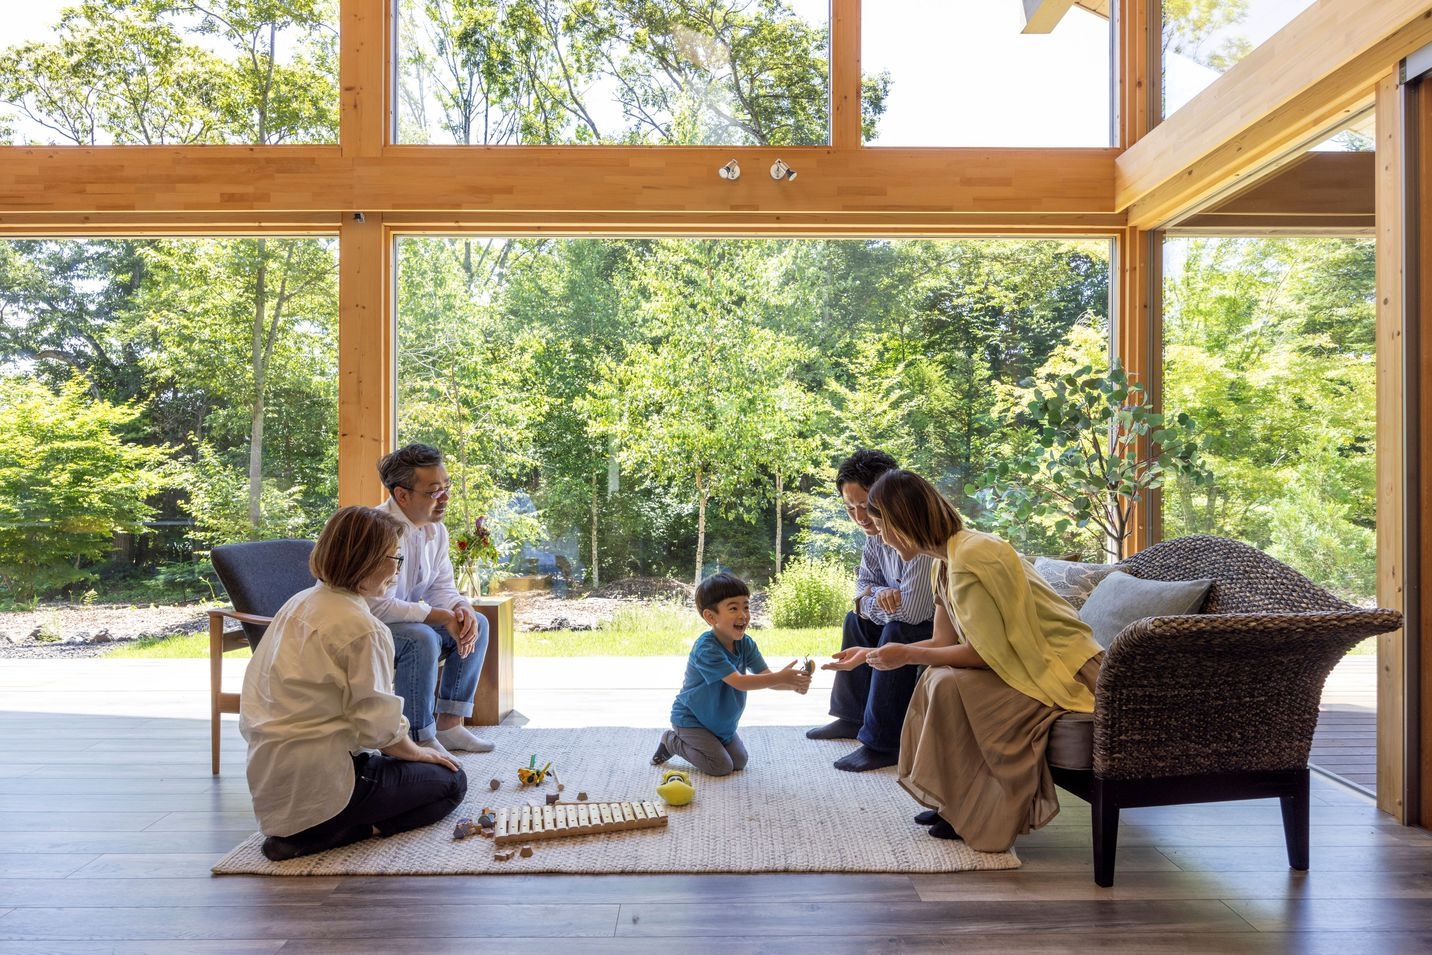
column 397, row 469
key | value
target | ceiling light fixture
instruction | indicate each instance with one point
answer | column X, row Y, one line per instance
column 732, row 171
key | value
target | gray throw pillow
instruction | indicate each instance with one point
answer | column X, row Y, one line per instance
column 1120, row 599
column 1071, row 579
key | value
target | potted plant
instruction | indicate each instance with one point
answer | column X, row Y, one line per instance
column 1096, row 449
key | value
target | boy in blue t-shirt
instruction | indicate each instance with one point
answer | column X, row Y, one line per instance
column 723, row 665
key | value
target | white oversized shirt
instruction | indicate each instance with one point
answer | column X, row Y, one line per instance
column 318, row 690
column 425, row 580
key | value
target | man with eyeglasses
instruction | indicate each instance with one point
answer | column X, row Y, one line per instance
column 430, row 620
column 894, row 602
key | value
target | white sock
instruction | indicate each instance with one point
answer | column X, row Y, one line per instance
column 461, row 738
column 438, row 746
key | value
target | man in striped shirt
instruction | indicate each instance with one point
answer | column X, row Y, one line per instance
column 893, row 602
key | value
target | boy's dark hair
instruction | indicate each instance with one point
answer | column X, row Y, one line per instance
column 864, row 468
column 396, row 469
column 718, row 587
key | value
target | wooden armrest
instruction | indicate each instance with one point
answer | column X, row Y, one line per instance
column 231, row 614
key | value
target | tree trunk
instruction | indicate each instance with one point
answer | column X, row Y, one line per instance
column 256, row 410
column 701, row 496
column 780, row 487
column 596, row 566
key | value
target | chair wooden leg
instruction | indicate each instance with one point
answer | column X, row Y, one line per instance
column 216, row 679
column 1104, row 812
column 1295, row 822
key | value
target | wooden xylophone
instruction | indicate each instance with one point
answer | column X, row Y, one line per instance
column 533, row 823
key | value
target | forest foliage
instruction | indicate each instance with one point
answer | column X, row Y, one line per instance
column 615, row 407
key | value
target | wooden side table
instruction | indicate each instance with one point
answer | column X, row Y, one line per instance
column 493, row 699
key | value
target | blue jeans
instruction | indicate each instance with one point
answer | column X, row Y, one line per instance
column 876, row 699
column 418, row 648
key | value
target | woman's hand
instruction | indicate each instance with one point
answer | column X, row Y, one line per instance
column 847, row 659
column 426, row 755
column 410, row 751
column 891, row 656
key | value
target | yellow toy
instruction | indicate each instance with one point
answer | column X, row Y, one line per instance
column 530, row 775
column 676, row 788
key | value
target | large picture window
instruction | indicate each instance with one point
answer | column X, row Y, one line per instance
column 623, row 408
column 674, row 72
column 166, row 72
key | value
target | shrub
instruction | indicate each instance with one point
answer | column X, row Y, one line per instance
column 811, row 593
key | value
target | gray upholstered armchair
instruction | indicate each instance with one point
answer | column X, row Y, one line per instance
column 259, row 576
column 1217, row 705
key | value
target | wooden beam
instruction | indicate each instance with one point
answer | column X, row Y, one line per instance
column 1327, row 193
column 364, row 65
column 1391, row 422
column 845, row 95
column 101, row 225
column 1042, row 16
column 366, row 369
column 1315, row 73
column 227, row 180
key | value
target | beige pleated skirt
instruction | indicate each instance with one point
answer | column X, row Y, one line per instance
column 972, row 749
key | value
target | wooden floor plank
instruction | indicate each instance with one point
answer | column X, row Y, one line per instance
column 848, row 920
column 432, row 919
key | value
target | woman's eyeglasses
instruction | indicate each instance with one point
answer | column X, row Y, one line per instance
column 396, row 558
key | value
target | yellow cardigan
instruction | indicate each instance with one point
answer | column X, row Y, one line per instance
column 1022, row 629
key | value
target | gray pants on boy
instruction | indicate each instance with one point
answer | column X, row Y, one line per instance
column 702, row 749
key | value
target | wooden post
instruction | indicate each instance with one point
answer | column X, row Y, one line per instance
column 1391, row 420
column 845, row 97
column 493, row 700
column 1138, row 346
column 366, row 370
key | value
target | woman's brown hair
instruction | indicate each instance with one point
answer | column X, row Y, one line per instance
column 909, row 506
column 354, row 541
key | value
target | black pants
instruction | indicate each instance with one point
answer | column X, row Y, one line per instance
column 877, row 699
column 391, row 795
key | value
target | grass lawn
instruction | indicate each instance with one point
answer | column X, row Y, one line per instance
column 651, row 630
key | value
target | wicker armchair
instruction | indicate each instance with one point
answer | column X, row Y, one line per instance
column 1218, row 705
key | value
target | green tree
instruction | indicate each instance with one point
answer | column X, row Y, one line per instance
column 69, row 481
column 1097, row 449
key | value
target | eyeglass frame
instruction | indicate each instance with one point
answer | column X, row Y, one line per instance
column 442, row 492
column 396, row 558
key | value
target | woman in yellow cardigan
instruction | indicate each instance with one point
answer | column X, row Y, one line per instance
column 1008, row 657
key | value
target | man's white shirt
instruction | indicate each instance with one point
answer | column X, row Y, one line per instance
column 425, row 580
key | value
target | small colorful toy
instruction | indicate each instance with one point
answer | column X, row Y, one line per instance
column 676, row 788
column 530, row 775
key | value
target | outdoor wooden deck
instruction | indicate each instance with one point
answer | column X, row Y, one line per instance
column 110, row 821
column 1346, row 740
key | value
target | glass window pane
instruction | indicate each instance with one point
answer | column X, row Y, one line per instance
column 962, row 74
column 1203, row 38
column 548, row 72
column 674, row 406
column 1268, row 345
column 161, row 397
column 112, row 73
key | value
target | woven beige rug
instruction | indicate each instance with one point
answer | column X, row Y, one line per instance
column 788, row 811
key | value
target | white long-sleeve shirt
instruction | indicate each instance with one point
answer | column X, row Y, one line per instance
column 425, row 580
column 318, row 690
column 881, row 568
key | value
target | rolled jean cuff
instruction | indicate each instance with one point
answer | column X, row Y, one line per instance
column 422, row 734
column 461, row 708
